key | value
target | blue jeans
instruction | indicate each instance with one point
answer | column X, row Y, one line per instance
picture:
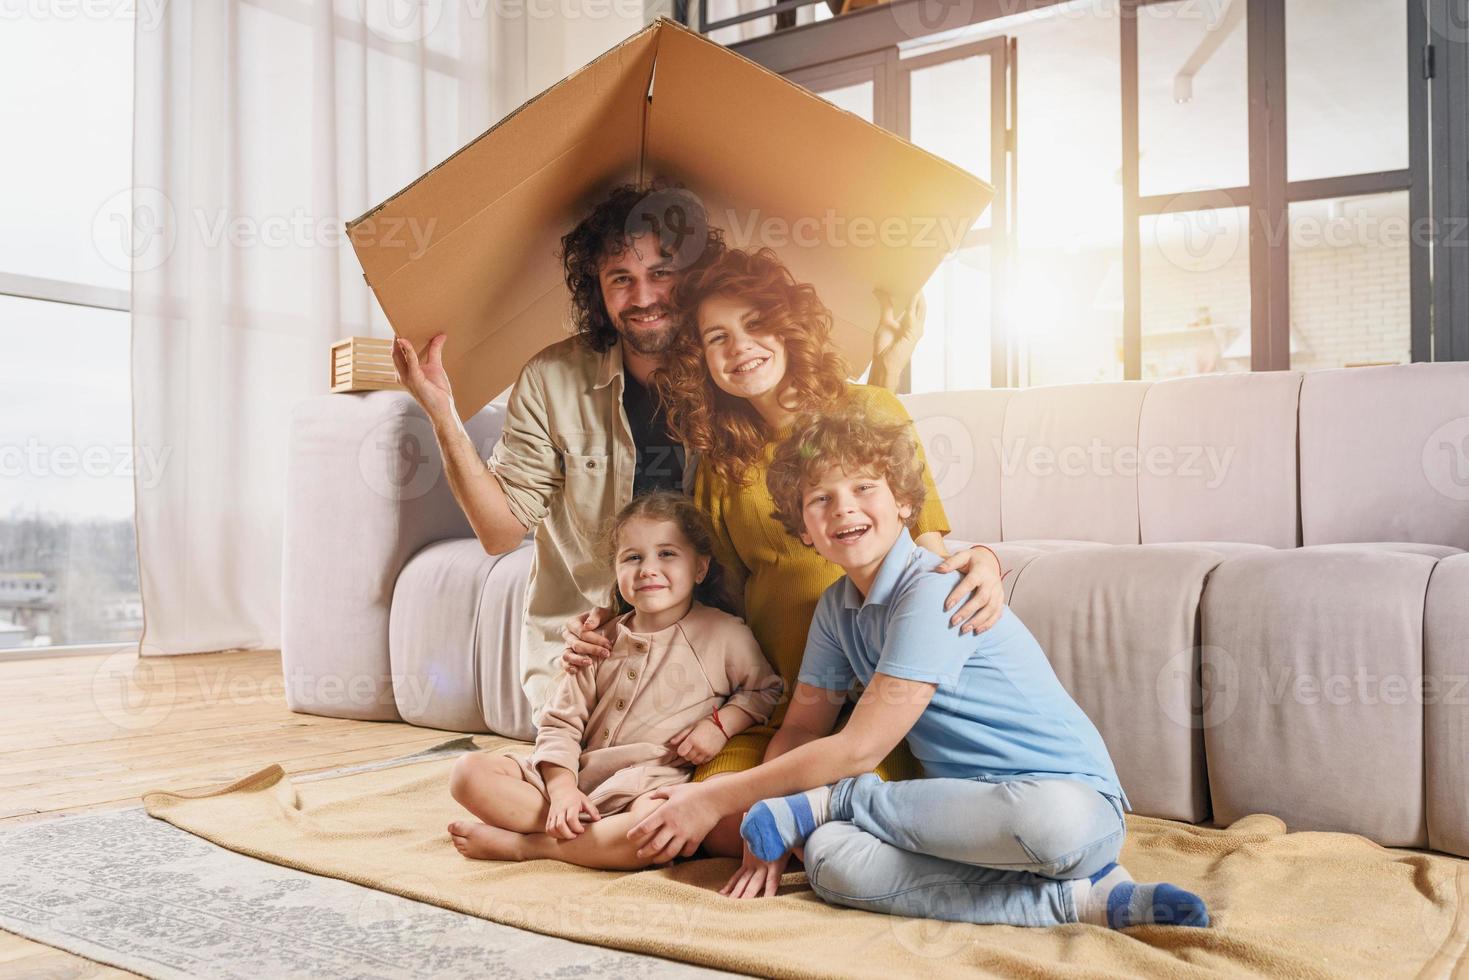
column 965, row 850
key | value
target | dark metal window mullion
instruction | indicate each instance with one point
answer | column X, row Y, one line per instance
column 1269, row 244
column 1132, row 324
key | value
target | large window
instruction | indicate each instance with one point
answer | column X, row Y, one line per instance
column 68, row 562
column 1192, row 187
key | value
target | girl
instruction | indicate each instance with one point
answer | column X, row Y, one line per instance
column 682, row 678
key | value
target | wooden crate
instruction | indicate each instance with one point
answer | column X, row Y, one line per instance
column 364, row 364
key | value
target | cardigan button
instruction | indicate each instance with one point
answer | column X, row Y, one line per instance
column 591, row 464
column 621, row 704
column 632, row 675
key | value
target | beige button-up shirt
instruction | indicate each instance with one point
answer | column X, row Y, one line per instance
column 611, row 725
column 566, row 461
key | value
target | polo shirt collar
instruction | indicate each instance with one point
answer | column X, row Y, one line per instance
column 888, row 573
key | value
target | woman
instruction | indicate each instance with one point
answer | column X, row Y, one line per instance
column 754, row 352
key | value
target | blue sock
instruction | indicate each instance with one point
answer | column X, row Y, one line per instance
column 1111, row 898
column 772, row 827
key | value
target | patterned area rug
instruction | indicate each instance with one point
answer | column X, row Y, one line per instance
column 125, row 889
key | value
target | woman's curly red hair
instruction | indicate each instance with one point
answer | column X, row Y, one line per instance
column 727, row 429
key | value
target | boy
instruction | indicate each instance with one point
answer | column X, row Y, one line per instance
column 1019, row 818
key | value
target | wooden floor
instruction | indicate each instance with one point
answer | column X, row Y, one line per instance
column 83, row 734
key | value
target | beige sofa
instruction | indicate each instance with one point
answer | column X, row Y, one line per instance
column 1255, row 585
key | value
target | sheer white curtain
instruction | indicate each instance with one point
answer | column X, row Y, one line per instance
column 261, row 127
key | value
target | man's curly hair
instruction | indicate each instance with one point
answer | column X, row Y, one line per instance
column 603, row 233
column 855, row 440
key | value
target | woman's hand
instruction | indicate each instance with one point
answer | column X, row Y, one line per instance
column 584, row 645
column 895, row 339
column 755, row 878
column 699, row 742
column 426, row 379
column 564, row 818
column 980, row 589
column 677, row 827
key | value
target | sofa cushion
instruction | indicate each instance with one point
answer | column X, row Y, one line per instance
column 962, row 434
column 365, row 490
column 1217, row 459
column 1120, row 626
column 454, row 639
column 1446, row 704
column 1068, row 466
column 1306, row 650
column 1385, row 454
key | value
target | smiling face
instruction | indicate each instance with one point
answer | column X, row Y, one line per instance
column 744, row 360
column 657, row 568
column 852, row 519
column 636, row 285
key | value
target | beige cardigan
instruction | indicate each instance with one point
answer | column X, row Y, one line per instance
column 610, row 725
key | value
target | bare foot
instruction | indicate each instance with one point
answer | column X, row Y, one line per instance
column 479, row 840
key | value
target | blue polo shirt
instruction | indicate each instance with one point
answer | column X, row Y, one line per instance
column 998, row 712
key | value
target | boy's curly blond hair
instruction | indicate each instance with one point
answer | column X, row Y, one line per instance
column 853, row 439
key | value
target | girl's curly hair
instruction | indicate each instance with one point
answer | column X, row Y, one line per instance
column 679, row 510
column 602, row 233
column 727, row 429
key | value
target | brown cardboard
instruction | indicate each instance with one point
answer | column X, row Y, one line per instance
column 469, row 249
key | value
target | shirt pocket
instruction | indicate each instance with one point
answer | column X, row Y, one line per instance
column 588, row 492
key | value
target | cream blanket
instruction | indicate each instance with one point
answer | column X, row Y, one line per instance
column 1303, row 904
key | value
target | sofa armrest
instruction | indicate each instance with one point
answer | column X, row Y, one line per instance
column 365, row 490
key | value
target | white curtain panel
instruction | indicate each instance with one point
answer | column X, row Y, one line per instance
column 262, row 126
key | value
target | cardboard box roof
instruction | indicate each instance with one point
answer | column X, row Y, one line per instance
column 470, row 248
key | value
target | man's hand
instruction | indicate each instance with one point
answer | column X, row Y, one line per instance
column 699, row 742
column 426, row 379
column 980, row 589
column 677, row 827
column 895, row 339
column 755, row 878
column 564, row 818
column 584, row 645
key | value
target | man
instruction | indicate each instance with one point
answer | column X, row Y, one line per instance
column 583, row 433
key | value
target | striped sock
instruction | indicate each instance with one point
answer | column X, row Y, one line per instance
column 1111, row 898
column 772, row 827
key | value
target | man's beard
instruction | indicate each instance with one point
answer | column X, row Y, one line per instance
column 649, row 342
